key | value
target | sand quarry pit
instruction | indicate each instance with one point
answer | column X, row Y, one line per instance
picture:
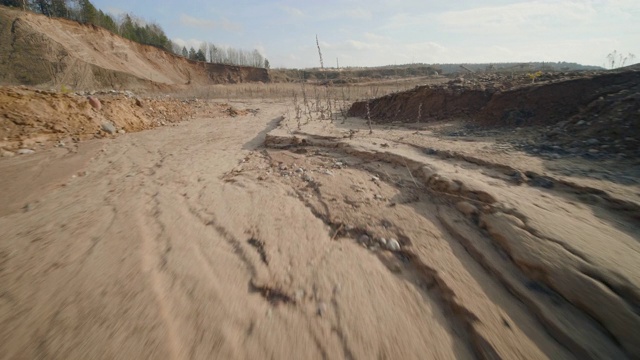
column 237, row 231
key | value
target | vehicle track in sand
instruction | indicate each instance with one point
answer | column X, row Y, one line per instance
column 203, row 240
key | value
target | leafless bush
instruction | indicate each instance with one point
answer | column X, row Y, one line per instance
column 369, row 115
column 297, row 109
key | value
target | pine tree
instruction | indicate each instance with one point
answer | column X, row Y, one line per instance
column 185, row 52
column 11, row 3
column 88, row 12
column 107, row 22
column 192, row 54
column 42, row 6
column 59, row 8
column 200, row 56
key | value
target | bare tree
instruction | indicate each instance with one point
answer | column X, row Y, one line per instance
column 319, row 52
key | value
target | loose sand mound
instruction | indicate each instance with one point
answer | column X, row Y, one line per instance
column 37, row 50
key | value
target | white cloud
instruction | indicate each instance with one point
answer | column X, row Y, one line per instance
column 357, row 13
column 520, row 17
column 190, row 43
column 372, row 49
column 207, row 24
column 362, row 45
column 375, row 37
column 291, row 11
column 114, row 10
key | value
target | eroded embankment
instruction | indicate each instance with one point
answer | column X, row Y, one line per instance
column 37, row 50
column 570, row 274
column 531, row 104
column 34, row 119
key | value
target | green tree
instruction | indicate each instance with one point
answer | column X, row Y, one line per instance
column 127, row 29
column 200, row 55
column 88, row 12
column 42, row 6
column 185, row 52
column 107, row 22
column 192, row 54
column 59, row 8
column 12, row 3
column 266, row 64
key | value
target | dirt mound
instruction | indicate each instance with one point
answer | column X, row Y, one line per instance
column 548, row 103
column 37, row 50
column 32, row 119
column 580, row 109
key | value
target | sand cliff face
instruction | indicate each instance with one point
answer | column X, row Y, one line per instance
column 37, row 50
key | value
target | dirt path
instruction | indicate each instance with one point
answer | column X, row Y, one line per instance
column 195, row 241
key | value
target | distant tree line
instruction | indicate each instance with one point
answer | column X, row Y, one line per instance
column 212, row 53
column 133, row 28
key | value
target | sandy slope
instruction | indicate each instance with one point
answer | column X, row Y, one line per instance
column 195, row 241
column 40, row 51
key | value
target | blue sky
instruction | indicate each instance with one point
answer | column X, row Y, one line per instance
column 380, row 32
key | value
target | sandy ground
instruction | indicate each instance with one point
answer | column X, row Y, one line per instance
column 198, row 241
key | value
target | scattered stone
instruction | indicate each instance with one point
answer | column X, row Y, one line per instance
column 108, row 127
column 25, row 151
column 322, row 309
column 382, row 241
column 327, row 172
column 28, row 207
column 139, row 102
column 393, row 245
column 299, row 170
column 364, row 239
column 306, row 177
column 337, row 288
column 375, row 178
column 580, row 123
column 121, row 131
column 466, row 208
column 592, row 142
column 6, row 153
column 519, row 177
column 299, row 295
column 94, row 102
column 541, row 182
column 593, row 151
column 283, row 167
